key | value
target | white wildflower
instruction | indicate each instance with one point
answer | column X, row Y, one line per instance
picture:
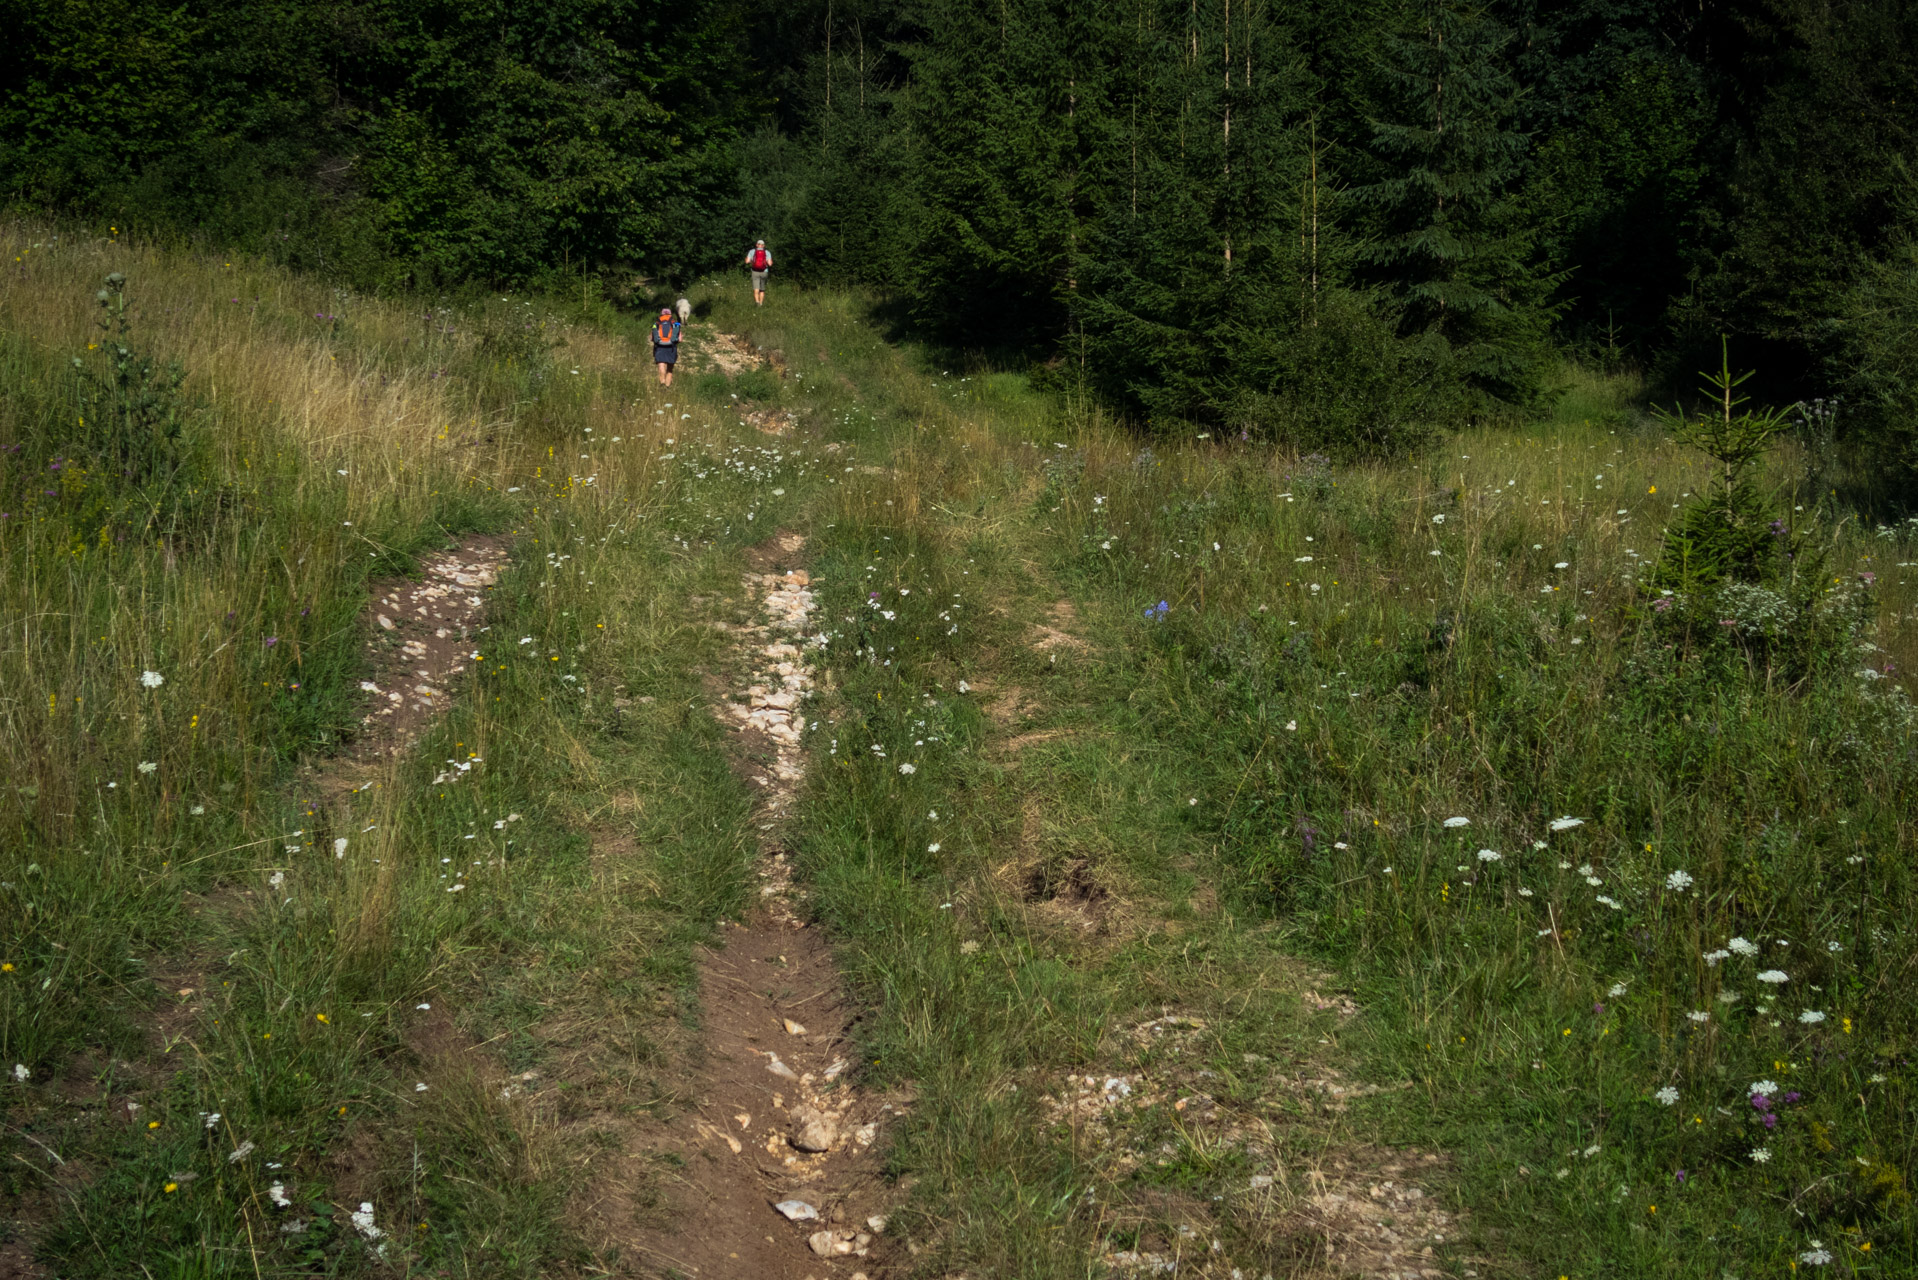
column 905, row 767
column 240, row 1152
column 363, row 1221
column 933, row 847
column 1811, row 1015
column 20, row 1073
column 1618, row 989
column 1816, row 1256
column 1458, row 822
column 1488, row 855
column 1776, row 977
column 1766, row 1087
column 1743, row 947
column 1761, row 1155
column 1668, row 1095
column 1679, row 880
column 1713, row 957
column 1566, row 823
column 152, row 679
column 147, row 766
column 339, row 846
column 277, row 1194
column 1700, row 1015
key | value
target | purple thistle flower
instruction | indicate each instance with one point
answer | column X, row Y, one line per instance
column 271, row 641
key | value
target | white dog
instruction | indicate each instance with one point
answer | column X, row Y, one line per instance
column 685, row 310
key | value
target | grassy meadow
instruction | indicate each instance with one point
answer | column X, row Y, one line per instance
column 1623, row 904
column 1119, row 737
column 200, row 959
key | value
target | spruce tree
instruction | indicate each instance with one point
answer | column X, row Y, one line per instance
column 1195, row 245
column 1448, row 243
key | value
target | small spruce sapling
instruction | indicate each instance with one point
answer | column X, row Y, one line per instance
column 1730, row 532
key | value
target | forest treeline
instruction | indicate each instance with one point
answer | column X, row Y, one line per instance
column 1337, row 221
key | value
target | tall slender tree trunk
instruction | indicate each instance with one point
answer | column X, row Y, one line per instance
column 1225, row 140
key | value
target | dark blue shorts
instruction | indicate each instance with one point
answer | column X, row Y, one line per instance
column 664, row 353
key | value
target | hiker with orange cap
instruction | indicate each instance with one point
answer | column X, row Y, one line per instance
column 666, row 331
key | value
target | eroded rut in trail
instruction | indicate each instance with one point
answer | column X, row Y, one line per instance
column 781, row 1172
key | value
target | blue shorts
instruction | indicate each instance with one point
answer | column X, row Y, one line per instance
column 665, row 353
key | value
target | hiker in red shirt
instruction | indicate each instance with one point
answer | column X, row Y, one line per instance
column 759, row 260
column 666, row 332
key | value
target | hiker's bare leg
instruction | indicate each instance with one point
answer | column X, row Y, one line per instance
column 665, row 375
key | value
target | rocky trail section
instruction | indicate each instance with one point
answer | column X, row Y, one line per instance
column 423, row 638
column 1315, row 1204
column 780, row 1176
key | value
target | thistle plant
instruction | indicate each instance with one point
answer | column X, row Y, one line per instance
column 132, row 413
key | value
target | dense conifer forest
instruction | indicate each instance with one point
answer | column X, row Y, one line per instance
column 1343, row 224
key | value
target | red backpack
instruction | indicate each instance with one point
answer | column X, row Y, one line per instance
column 761, row 259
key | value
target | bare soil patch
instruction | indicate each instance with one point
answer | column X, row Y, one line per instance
column 776, row 1149
column 1060, row 634
column 421, row 638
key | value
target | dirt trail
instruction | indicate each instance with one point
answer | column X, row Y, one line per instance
column 781, row 1172
column 421, row 635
